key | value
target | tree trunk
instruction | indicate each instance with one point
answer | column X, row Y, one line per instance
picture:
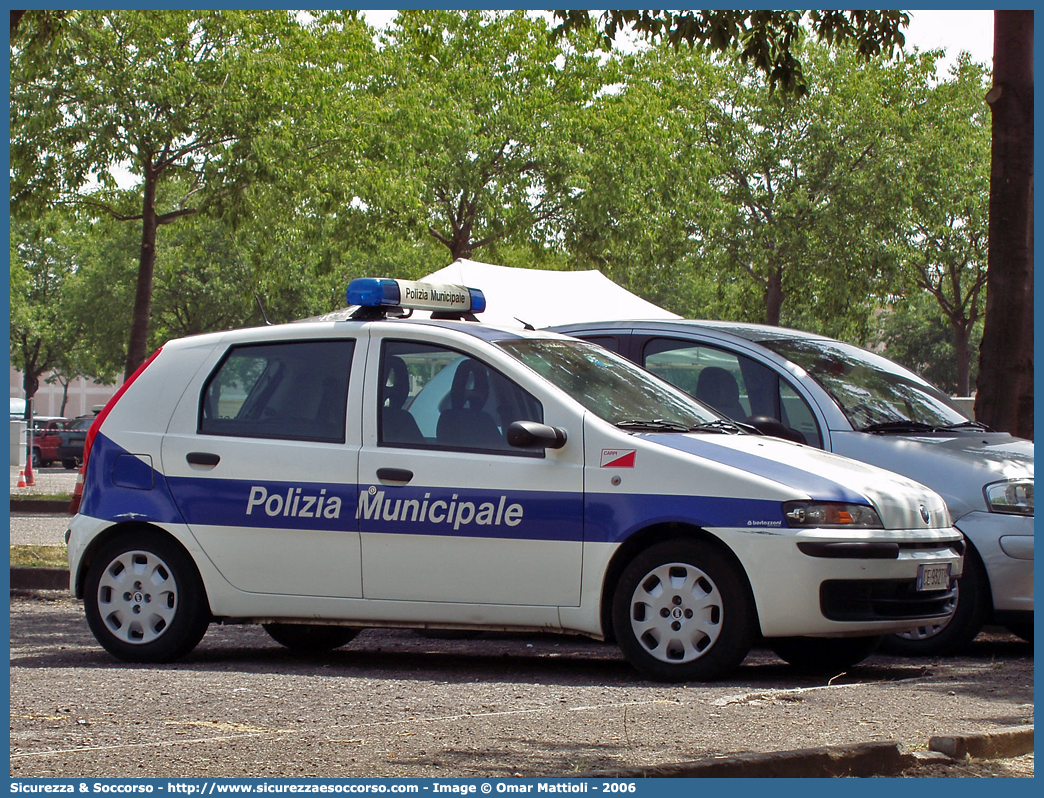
column 774, row 297
column 961, row 339
column 1005, row 384
column 137, row 348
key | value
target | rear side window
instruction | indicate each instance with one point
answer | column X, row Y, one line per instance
column 292, row 390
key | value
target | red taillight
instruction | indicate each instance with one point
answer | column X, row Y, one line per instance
column 74, row 505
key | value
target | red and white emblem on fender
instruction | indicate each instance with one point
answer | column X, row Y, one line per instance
column 618, row 458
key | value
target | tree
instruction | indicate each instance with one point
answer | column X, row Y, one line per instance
column 213, row 99
column 644, row 178
column 813, row 188
column 41, row 263
column 947, row 228
column 482, row 120
column 1005, row 381
column 915, row 332
column 1004, row 398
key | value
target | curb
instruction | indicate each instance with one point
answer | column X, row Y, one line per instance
column 998, row 744
column 39, row 507
column 859, row 760
column 39, row 578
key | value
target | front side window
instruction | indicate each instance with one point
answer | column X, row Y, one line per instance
column 293, row 390
column 435, row 397
column 735, row 385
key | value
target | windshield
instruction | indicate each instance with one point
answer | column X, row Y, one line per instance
column 612, row 388
column 873, row 392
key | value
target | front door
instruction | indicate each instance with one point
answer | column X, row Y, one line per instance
column 448, row 511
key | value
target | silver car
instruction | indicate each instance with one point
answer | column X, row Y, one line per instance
column 839, row 397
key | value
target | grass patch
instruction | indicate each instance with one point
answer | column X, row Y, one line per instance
column 56, row 497
column 37, row 556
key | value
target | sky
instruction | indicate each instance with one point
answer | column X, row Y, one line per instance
column 953, row 31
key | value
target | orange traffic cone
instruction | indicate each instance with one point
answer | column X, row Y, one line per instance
column 21, row 480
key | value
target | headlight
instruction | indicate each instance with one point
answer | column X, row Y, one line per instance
column 831, row 515
column 1014, row 497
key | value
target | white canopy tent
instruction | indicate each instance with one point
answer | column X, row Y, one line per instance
column 544, row 298
column 537, row 297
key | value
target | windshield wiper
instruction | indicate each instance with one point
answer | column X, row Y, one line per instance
column 655, row 424
column 918, row 426
column 662, row 425
column 899, row 426
column 724, row 425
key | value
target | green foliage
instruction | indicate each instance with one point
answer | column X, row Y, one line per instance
column 42, row 264
column 280, row 154
column 482, row 116
column 917, row 335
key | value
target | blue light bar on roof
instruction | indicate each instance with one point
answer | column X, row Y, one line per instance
column 375, row 292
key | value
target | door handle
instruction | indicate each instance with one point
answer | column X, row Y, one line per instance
column 203, row 458
column 394, row 474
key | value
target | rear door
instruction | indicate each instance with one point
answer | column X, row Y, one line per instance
column 263, row 465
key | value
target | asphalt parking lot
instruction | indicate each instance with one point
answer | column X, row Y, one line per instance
column 394, row 704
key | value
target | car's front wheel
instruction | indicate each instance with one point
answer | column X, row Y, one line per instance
column 971, row 607
column 144, row 599
column 307, row 637
column 682, row 610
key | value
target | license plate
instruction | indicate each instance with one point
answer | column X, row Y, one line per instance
column 933, row 577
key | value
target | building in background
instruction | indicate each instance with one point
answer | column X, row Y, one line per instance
column 83, row 395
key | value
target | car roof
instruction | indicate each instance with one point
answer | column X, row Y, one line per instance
column 313, row 328
column 748, row 331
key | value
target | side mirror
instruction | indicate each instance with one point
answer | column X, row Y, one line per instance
column 534, row 435
column 771, row 426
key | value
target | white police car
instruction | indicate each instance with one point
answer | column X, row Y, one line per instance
column 322, row 477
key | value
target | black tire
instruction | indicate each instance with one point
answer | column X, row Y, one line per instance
column 37, row 460
column 144, row 599
column 682, row 610
column 307, row 637
column 823, row 654
column 973, row 607
column 69, row 463
column 1023, row 630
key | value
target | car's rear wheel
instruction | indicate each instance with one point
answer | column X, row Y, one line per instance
column 37, row 458
column 823, row 654
column 144, row 599
column 971, row 608
column 682, row 610
column 307, row 637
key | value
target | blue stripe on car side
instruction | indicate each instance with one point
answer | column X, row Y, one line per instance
column 453, row 512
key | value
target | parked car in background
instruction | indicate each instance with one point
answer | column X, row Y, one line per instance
column 70, row 441
column 46, row 438
column 844, row 399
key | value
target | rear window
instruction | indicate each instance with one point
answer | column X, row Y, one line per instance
column 292, row 390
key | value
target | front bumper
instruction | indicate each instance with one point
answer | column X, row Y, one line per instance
column 1005, row 545
column 864, row 589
